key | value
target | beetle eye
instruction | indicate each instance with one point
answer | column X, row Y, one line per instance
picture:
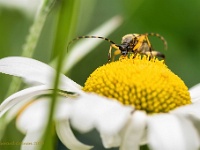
column 124, row 52
column 123, row 46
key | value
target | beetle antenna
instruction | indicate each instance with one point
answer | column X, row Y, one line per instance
column 86, row 36
column 160, row 37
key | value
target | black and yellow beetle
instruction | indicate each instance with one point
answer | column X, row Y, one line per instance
column 131, row 43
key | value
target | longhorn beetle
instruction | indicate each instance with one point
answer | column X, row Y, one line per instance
column 131, row 43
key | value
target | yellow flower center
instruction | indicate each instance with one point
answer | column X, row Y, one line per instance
column 145, row 84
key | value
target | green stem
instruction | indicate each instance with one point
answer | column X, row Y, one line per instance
column 64, row 28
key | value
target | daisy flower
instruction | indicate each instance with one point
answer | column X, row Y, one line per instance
column 130, row 102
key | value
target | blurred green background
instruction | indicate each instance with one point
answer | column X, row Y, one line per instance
column 178, row 21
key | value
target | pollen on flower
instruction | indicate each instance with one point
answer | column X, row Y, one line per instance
column 142, row 83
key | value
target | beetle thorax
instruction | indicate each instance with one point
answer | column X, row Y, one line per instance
column 129, row 38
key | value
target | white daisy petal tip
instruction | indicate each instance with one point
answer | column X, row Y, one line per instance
column 33, row 140
column 110, row 141
column 36, row 72
column 67, row 137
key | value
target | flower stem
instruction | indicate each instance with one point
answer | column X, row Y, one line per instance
column 65, row 25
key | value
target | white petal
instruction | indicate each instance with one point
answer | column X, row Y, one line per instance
column 87, row 46
column 67, row 137
column 192, row 112
column 34, row 117
column 63, row 108
column 107, row 115
column 14, row 110
column 35, row 71
column 134, row 131
column 111, row 140
column 32, row 140
column 168, row 132
column 195, row 93
column 32, row 122
column 25, row 95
